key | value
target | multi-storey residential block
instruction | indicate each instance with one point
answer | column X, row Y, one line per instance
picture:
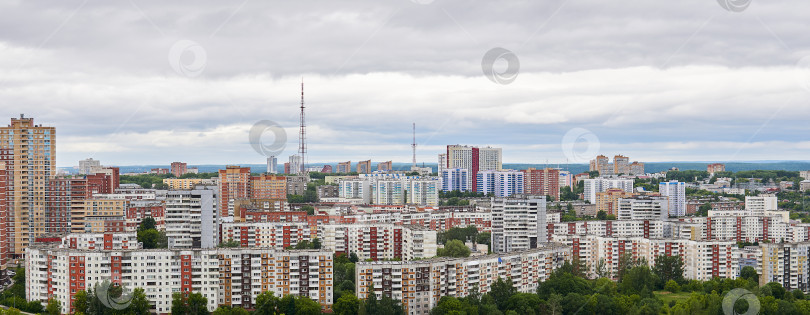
column 637, row 168
column 676, row 192
column 233, row 277
column 757, row 205
column 327, row 191
column 179, row 168
column 191, row 218
column 621, row 165
column 786, row 264
column 602, row 165
column 295, row 166
column 5, row 240
column 420, row 284
column 275, row 235
column 100, row 241
column 597, row 185
column 624, row 228
column 501, row 183
column 30, row 156
column 234, row 183
column 188, row 183
column 608, row 201
column 474, row 159
column 137, row 210
column 423, row 191
column 98, row 216
column 643, row 208
column 715, row 167
column 456, row 179
column 379, row 241
column 364, row 167
column 268, row 187
column 297, row 185
column 344, row 167
column 384, row 166
column 518, row 223
column 545, row 182
column 88, row 166
column 442, row 163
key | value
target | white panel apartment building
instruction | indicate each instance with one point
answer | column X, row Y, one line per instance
column 275, row 235
column 741, row 229
column 518, row 223
column 757, row 205
column 676, row 192
column 379, row 241
column 223, row 276
column 387, row 190
column 703, row 260
column 625, row 228
column 420, row 284
column 643, row 208
column 191, row 218
column 597, row 185
column 455, row 179
column 501, row 183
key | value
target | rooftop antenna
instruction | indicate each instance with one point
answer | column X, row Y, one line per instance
column 302, row 146
column 413, row 145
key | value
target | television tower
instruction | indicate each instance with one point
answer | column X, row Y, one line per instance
column 302, row 146
column 413, row 145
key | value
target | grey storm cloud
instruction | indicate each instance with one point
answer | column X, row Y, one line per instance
column 658, row 79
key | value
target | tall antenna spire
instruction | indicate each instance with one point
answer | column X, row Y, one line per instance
column 413, row 145
column 302, row 146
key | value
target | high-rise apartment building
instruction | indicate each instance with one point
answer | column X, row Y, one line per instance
column 30, row 151
column 179, row 168
column 88, row 166
column 455, row 179
column 608, row 201
column 364, row 167
column 501, row 183
column 234, row 183
column 272, row 165
column 385, row 166
column 191, row 219
column 296, row 165
column 676, row 191
column 621, row 165
column 545, row 182
column 518, row 224
column 268, row 187
column 443, row 163
column 757, row 205
column 474, row 159
column 344, row 167
column 602, row 165
column 597, row 185
column 643, row 208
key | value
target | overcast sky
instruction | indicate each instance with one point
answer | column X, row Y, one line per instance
column 151, row 82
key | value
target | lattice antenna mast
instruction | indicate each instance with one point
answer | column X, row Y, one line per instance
column 302, row 145
column 413, row 145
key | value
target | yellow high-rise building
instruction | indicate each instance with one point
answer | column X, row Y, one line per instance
column 31, row 162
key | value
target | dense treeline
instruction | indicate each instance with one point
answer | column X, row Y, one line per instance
column 639, row 290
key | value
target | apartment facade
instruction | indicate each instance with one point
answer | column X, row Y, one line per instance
column 544, row 182
column 676, row 192
column 234, row 183
column 501, row 183
column 419, row 285
column 224, row 276
column 518, row 223
column 597, row 185
column 456, row 179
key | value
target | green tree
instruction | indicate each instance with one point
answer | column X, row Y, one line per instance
column 267, row 304
column 501, row 291
column 672, row 286
column 148, row 223
column 668, row 268
column 194, row 304
column 749, row 273
column 139, row 304
column 601, row 215
column 149, row 238
column 454, row 248
column 54, row 307
column 80, row 302
column 638, row 280
column 347, row 304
